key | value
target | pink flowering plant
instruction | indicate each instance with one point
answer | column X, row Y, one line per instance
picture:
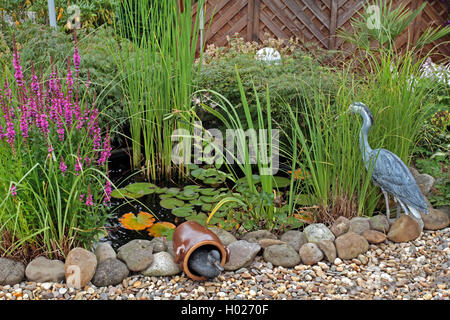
column 54, row 185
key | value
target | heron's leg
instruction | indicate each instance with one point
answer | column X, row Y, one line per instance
column 399, row 210
column 388, row 213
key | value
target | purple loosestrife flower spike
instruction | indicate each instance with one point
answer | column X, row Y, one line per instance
column 89, row 201
column 13, row 190
column 62, row 166
column 108, row 191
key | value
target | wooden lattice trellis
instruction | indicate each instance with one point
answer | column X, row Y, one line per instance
column 312, row 21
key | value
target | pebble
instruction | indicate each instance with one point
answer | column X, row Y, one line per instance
column 385, row 272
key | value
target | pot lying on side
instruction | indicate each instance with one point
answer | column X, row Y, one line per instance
column 188, row 237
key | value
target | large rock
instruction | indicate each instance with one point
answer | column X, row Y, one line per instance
column 158, row 244
column 137, row 254
column 350, row 245
column 79, row 267
column 425, row 182
column 435, row 219
column 104, row 251
column 163, row 265
column 294, row 238
column 282, row 255
column 255, row 236
column 110, row 272
column 310, row 253
column 359, row 224
column 373, row 236
column 42, row 270
column 379, row 223
column 340, row 226
column 329, row 249
column 11, row 272
column 226, row 237
column 318, row 232
column 242, row 254
column 264, row 243
column 404, row 229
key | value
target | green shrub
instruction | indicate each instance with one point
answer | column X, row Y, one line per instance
column 217, row 73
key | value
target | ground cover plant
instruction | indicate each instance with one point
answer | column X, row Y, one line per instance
column 54, row 182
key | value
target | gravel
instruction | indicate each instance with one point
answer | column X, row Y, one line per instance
column 415, row 270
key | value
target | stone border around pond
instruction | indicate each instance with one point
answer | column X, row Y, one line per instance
column 344, row 240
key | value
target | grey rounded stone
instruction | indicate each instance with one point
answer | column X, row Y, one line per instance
column 104, row 251
column 425, row 182
column 310, row 253
column 42, row 269
column 328, row 248
column 255, row 236
column 163, row 265
column 137, row 254
column 318, row 232
column 110, row 272
column 226, row 237
column 294, row 238
column 242, row 254
column 340, row 226
column 359, row 224
column 11, row 271
column 159, row 244
column 282, row 255
column 379, row 223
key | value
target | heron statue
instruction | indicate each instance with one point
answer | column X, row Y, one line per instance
column 205, row 262
column 389, row 172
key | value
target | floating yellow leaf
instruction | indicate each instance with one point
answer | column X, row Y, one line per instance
column 140, row 222
column 160, row 229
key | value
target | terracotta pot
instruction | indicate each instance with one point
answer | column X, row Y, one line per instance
column 191, row 235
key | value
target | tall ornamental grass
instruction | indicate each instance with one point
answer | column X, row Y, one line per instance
column 157, row 70
column 53, row 173
column 326, row 136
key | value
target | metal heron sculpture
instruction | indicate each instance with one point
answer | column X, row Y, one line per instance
column 205, row 262
column 389, row 172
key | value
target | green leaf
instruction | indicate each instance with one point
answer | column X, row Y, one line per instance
column 171, row 203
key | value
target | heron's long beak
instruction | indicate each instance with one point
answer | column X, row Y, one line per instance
column 218, row 265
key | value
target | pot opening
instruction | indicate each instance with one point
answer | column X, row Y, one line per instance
column 207, row 247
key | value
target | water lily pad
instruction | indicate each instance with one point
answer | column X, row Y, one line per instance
column 198, row 173
column 160, row 190
column 173, row 190
column 171, row 203
column 207, row 207
column 196, row 202
column 213, row 181
column 209, row 191
column 141, row 188
column 123, row 193
column 161, row 229
column 256, row 179
column 281, row 182
column 198, row 217
column 187, row 195
column 207, row 199
column 142, row 221
column 182, row 211
column 165, row 196
column 192, row 187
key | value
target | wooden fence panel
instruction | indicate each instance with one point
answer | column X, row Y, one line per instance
column 313, row 22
